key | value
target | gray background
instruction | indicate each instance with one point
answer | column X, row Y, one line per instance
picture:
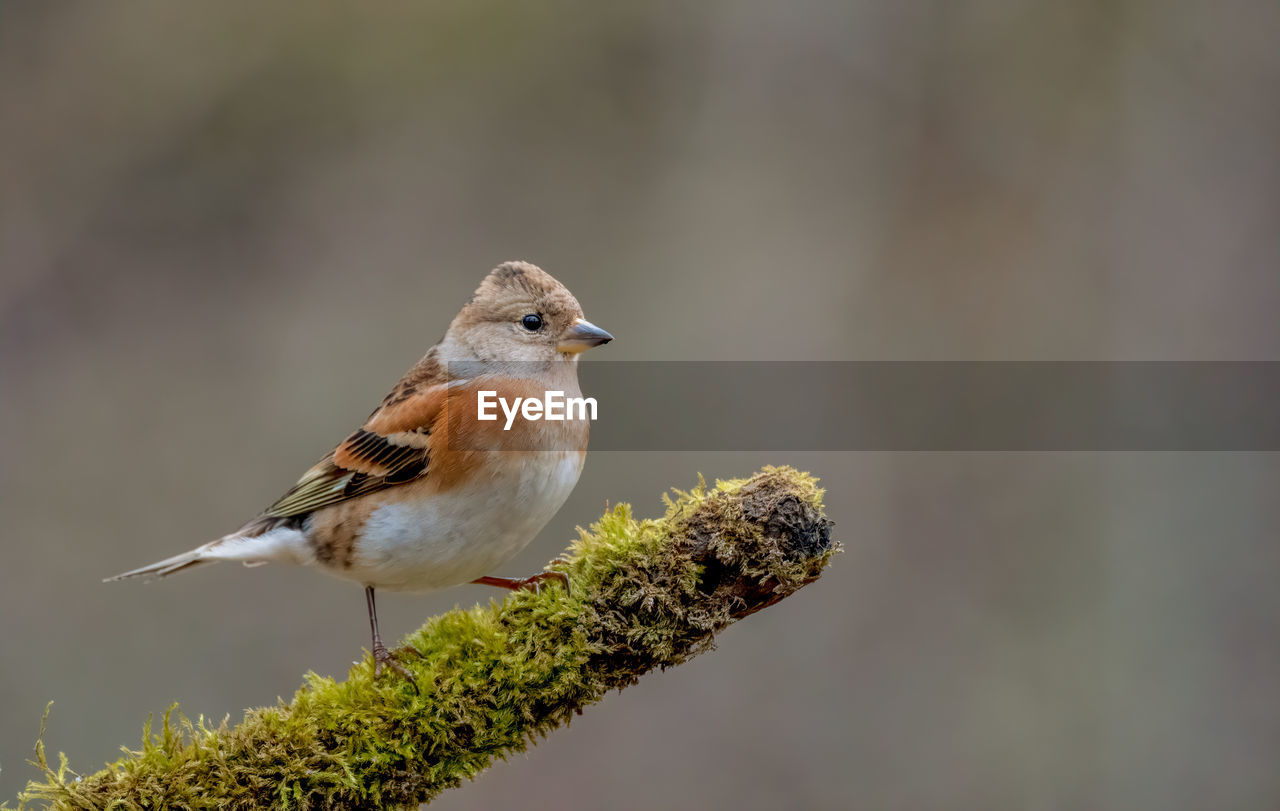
column 226, row 229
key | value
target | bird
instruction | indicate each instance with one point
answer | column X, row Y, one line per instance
column 425, row 494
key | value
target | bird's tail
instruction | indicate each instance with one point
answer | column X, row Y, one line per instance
column 251, row 546
column 177, row 563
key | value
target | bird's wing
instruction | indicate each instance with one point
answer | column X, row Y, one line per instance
column 392, row 448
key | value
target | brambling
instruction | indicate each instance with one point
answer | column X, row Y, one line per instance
column 425, row 494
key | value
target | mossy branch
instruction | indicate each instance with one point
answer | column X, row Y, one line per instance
column 645, row 594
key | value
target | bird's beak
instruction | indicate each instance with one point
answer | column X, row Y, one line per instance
column 581, row 336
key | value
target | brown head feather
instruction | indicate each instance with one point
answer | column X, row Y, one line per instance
column 489, row 325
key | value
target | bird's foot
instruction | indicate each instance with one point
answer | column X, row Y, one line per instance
column 532, row 583
column 382, row 657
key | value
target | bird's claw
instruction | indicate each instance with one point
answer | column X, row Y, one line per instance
column 534, row 582
column 382, row 657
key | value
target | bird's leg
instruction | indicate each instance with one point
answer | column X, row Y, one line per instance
column 382, row 656
column 533, row 582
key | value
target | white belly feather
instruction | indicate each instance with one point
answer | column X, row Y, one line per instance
column 459, row 535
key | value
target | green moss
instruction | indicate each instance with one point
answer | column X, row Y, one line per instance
column 645, row 594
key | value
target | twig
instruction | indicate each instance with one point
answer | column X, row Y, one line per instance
column 644, row 595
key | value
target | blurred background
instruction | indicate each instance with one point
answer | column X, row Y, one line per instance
column 226, row 229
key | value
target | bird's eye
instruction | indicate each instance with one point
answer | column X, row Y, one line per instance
column 532, row 322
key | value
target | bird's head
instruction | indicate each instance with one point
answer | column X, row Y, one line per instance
column 519, row 313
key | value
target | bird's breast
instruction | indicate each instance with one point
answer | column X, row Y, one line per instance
column 422, row 536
